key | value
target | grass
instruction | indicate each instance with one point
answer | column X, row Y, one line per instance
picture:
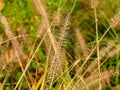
column 59, row 45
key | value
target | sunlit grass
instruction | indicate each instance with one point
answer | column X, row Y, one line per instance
column 65, row 45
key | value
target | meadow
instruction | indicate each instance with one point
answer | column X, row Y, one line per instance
column 59, row 45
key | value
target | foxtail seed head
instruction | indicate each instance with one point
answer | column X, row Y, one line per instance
column 115, row 20
column 94, row 3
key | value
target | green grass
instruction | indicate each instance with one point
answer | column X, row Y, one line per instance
column 68, row 57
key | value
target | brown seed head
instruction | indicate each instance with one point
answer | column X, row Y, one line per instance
column 94, row 3
column 115, row 20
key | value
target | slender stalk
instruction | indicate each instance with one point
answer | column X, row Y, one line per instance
column 30, row 60
column 97, row 38
column 46, row 68
column 18, row 50
column 89, row 55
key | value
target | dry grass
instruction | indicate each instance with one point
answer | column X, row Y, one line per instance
column 59, row 54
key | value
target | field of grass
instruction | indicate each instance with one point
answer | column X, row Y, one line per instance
column 59, row 45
